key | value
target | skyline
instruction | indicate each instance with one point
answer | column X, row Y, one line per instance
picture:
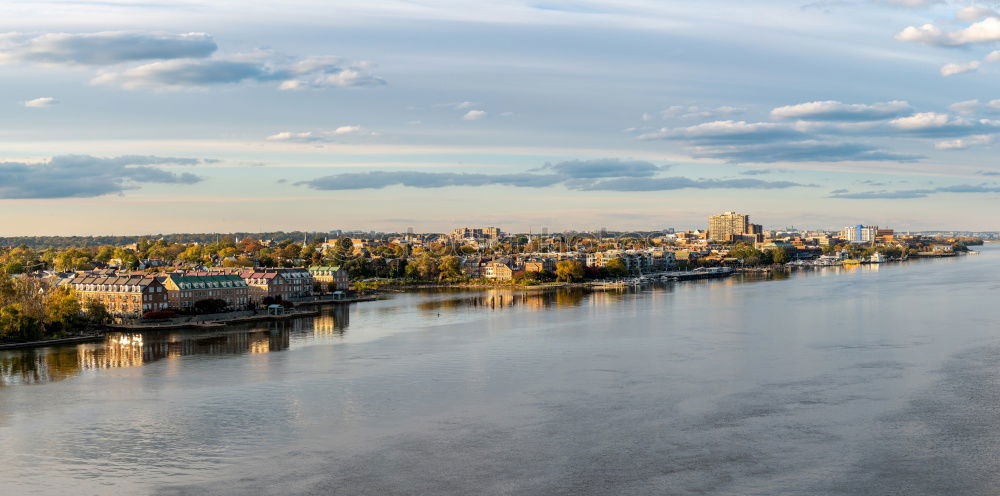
column 129, row 117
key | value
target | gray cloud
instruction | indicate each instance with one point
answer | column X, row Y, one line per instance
column 607, row 167
column 802, row 151
column 831, row 110
column 579, row 175
column 756, row 172
column 84, row 176
column 727, row 132
column 313, row 72
column 914, row 193
column 382, row 179
column 988, row 173
column 672, row 183
column 104, row 48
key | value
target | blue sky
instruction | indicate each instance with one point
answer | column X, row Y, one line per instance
column 132, row 117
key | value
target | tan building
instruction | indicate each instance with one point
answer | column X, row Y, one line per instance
column 731, row 226
column 125, row 297
column 476, row 233
column 184, row 290
column 334, row 274
column 498, row 271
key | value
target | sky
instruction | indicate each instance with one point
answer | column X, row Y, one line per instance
column 148, row 116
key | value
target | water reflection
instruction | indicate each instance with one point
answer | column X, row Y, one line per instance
column 121, row 350
column 501, row 298
column 332, row 321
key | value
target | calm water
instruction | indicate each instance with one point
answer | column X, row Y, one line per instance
column 882, row 380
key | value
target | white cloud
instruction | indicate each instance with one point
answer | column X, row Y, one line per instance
column 994, row 56
column 984, row 31
column 312, row 72
column 974, row 13
column 321, row 136
column 103, row 48
column 831, row 110
column 726, row 132
column 910, row 4
column 967, row 107
column 696, row 112
column 963, row 143
column 994, row 105
column 955, row 69
column 46, row 101
column 474, row 115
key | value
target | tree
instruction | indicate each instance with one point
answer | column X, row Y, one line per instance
column 97, row 313
column 450, row 267
column 616, row 267
column 63, row 310
column 18, row 325
column 780, row 256
column 569, row 270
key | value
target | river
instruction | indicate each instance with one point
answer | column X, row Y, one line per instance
column 873, row 381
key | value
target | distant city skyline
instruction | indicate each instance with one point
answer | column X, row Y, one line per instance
column 129, row 117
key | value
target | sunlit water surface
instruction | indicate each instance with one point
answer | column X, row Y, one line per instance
column 880, row 380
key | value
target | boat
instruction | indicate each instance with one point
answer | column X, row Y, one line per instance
column 876, row 258
column 851, row 261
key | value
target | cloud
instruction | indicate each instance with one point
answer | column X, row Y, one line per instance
column 722, row 132
column 313, row 72
column 993, row 56
column 801, row 151
column 984, row 31
column 322, row 135
column 956, row 69
column 914, row 193
column 579, row 175
column 673, row 183
column 756, row 172
column 963, row 143
column 910, row 4
column 988, row 173
column 831, row 110
column 933, row 124
column 974, row 13
column 382, row 179
column 84, row 176
column 967, row 107
column 474, row 115
column 104, row 48
column 602, row 168
column 694, row 111
column 46, row 101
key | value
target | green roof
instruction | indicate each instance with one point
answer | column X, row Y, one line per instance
column 319, row 268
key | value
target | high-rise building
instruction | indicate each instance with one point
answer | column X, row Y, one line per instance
column 728, row 226
column 860, row 233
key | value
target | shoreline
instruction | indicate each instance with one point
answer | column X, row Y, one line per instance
column 52, row 342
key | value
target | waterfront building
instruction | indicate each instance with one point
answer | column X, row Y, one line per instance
column 125, row 297
column 498, row 271
column 184, row 290
column 331, row 274
column 284, row 284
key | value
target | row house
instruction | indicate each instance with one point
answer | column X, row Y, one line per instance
column 125, row 297
column 184, row 290
column 284, row 284
column 498, row 271
column 331, row 274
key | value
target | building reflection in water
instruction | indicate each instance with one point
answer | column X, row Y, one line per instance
column 332, row 321
column 35, row 366
column 500, row 299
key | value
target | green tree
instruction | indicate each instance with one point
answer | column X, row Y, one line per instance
column 616, row 267
column 450, row 267
column 569, row 270
column 18, row 325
